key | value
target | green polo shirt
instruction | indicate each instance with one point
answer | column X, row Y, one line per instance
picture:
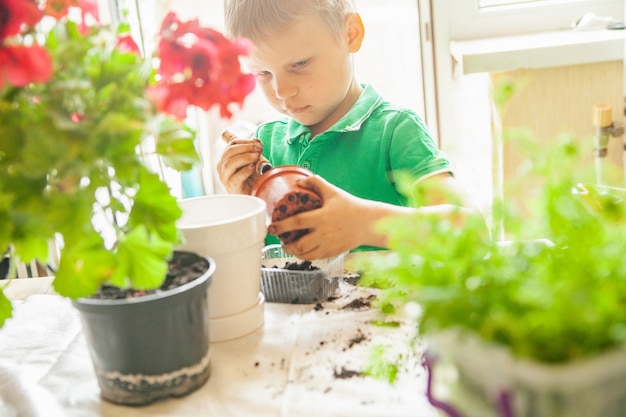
column 361, row 151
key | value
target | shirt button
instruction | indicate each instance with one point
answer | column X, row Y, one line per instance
column 306, row 164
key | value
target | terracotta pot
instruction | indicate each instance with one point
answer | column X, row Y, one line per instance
column 284, row 198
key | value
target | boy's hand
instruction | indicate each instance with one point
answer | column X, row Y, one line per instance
column 334, row 228
column 237, row 165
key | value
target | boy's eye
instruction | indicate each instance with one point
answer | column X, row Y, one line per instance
column 300, row 64
column 262, row 74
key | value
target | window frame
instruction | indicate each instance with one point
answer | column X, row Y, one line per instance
column 467, row 20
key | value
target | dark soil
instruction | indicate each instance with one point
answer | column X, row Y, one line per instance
column 352, row 278
column 298, row 266
column 184, row 267
column 346, row 373
column 360, row 337
column 292, row 203
column 359, row 303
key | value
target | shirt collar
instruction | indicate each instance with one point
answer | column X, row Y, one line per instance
column 367, row 102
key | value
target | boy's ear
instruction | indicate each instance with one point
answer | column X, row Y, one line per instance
column 356, row 31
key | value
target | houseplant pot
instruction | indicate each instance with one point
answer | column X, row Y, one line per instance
column 288, row 279
column 489, row 374
column 154, row 346
column 280, row 191
column 533, row 329
column 231, row 229
column 5, row 266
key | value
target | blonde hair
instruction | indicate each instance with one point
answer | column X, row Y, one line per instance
column 258, row 19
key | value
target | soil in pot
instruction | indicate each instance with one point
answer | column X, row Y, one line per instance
column 292, row 203
column 152, row 345
column 296, row 282
column 283, row 197
column 184, row 267
column 298, row 266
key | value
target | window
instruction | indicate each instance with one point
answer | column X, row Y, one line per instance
column 490, row 3
column 395, row 72
column 495, row 18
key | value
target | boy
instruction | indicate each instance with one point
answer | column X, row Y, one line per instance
column 339, row 129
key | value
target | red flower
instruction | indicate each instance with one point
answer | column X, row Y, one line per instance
column 16, row 13
column 126, row 43
column 198, row 66
column 20, row 65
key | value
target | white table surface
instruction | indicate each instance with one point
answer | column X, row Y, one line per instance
column 286, row 368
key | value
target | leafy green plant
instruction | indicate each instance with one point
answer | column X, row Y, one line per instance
column 82, row 115
column 556, row 296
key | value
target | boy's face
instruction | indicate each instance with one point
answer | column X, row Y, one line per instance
column 306, row 72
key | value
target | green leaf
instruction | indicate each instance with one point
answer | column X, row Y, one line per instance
column 143, row 257
column 155, row 207
column 6, row 231
column 31, row 247
column 6, row 308
column 175, row 144
column 83, row 267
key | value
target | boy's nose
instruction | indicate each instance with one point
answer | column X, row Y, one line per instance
column 284, row 89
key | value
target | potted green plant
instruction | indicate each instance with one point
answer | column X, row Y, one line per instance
column 533, row 322
column 82, row 115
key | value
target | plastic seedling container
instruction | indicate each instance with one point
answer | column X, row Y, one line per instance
column 314, row 282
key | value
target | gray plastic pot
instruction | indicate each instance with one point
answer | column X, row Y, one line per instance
column 150, row 347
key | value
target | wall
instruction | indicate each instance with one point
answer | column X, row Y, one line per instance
column 560, row 100
column 556, row 101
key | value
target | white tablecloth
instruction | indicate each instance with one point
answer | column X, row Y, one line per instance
column 290, row 367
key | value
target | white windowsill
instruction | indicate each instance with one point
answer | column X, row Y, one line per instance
column 549, row 49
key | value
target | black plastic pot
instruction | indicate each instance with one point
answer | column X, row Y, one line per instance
column 5, row 266
column 150, row 347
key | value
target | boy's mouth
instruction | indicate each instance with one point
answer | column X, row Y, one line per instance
column 298, row 110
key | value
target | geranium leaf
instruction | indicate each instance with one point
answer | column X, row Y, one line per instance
column 83, row 267
column 155, row 207
column 32, row 247
column 7, row 229
column 144, row 257
column 6, row 308
column 175, row 145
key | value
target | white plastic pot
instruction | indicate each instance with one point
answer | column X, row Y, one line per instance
column 231, row 229
column 591, row 387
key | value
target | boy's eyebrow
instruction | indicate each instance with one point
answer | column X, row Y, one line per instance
column 251, row 64
column 246, row 61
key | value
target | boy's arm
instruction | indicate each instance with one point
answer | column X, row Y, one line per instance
column 345, row 222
